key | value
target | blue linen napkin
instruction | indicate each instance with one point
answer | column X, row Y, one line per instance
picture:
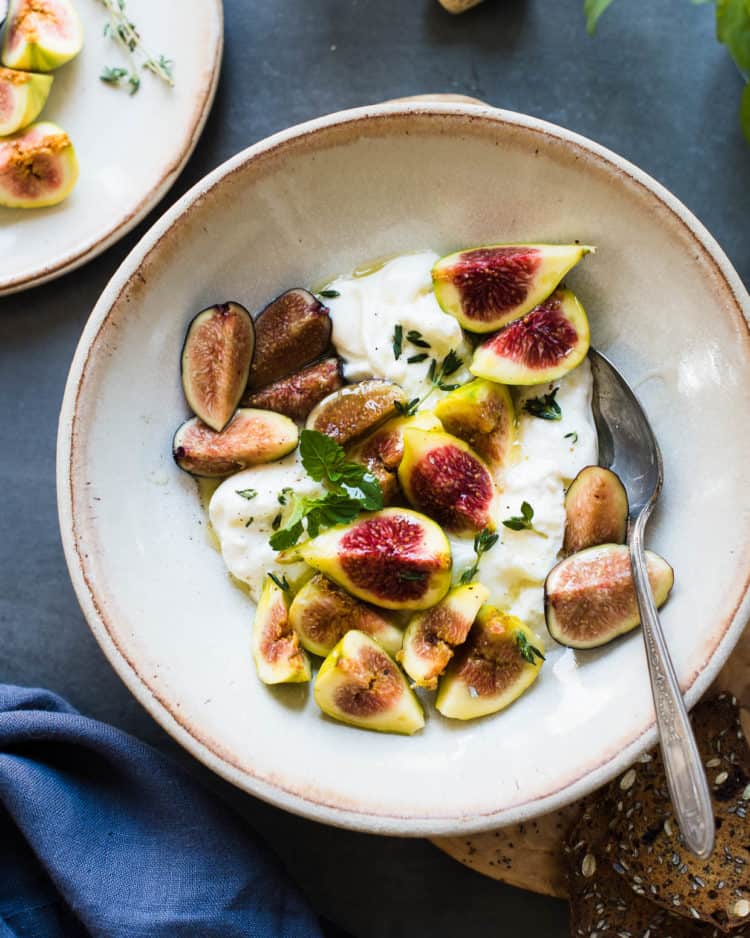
column 101, row 835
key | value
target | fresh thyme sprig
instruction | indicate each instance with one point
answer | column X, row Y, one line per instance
column 283, row 583
column 124, row 33
column 523, row 522
column 398, row 340
column 527, row 650
column 573, row 437
column 484, row 541
column 436, row 375
column 544, row 407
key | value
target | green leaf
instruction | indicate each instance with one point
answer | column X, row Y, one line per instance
column 544, row 407
column 246, row 493
column 286, row 537
column 592, row 10
column 527, row 650
column 416, row 359
column 733, row 29
column 416, row 338
column 527, row 511
column 398, row 341
column 320, row 455
column 515, row 524
column 281, row 583
column 745, row 112
column 329, row 294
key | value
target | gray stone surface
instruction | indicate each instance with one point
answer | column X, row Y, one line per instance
column 653, row 85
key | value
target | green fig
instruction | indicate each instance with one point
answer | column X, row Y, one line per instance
column 279, row 659
column 22, row 98
column 38, row 167
column 41, row 35
column 481, row 414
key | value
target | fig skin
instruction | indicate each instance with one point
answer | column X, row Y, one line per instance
column 481, row 413
column 251, row 437
column 292, row 331
column 361, row 685
column 488, row 672
column 297, row 394
column 38, row 167
column 487, row 287
column 596, row 510
column 589, row 598
column 355, row 410
column 546, row 344
column 431, row 637
column 22, row 99
column 41, row 35
column 322, row 613
column 394, row 558
column 278, row 657
column 444, row 478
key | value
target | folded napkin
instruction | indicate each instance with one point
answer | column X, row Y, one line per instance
column 102, row 836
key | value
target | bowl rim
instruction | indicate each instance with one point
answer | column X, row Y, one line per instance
column 218, row 760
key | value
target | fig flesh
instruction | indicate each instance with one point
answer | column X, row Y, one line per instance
column 322, row 613
column 297, row 394
column 589, row 598
column 487, row 287
column 481, row 414
column 546, row 344
column 41, row 35
column 22, row 98
column 216, row 359
column 279, row 659
column 292, row 331
column 360, row 684
column 38, row 167
column 432, row 636
column 355, row 410
column 596, row 510
column 250, row 438
column 499, row 661
column 444, row 478
column 394, row 558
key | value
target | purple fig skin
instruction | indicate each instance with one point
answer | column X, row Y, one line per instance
column 296, row 395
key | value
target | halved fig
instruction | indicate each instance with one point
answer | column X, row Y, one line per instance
column 432, row 636
column 596, row 510
column 355, row 410
column 394, row 558
column 292, row 331
column 546, row 344
column 589, row 598
column 444, row 478
column 481, row 414
column 487, row 287
column 360, row 684
column 250, row 438
column 41, row 35
column 279, row 659
column 297, row 394
column 499, row 661
column 322, row 613
column 216, row 360
column 38, row 167
column 22, row 98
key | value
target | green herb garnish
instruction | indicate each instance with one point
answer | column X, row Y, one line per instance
column 283, row 583
column 249, row 522
column 484, row 541
column 416, row 338
column 408, row 409
column 246, row 493
column 329, row 294
column 276, row 523
column 113, row 75
column 284, row 494
column 545, row 407
column 415, row 359
column 573, row 437
column 528, row 651
column 523, row 522
column 398, row 341
column 125, row 34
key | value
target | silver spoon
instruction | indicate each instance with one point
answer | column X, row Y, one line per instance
column 627, row 446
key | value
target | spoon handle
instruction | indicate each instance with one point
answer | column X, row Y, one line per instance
column 686, row 778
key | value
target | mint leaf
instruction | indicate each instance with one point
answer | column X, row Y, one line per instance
column 733, row 29
column 321, row 456
column 592, row 10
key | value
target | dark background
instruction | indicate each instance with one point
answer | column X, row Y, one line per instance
column 653, row 85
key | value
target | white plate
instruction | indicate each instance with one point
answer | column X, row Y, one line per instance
column 130, row 149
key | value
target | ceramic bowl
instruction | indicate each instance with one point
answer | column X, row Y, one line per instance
column 664, row 304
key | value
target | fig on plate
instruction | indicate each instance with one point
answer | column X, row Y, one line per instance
column 297, row 394
column 589, row 598
column 250, row 438
column 431, row 636
column 292, row 331
column 276, row 648
column 546, row 344
column 215, row 362
column 355, row 410
column 322, row 613
column 487, row 287
column 500, row 659
column 360, row 684
column 38, row 167
column 394, row 558
column 22, row 98
column 41, row 35
column 444, row 478
column 481, row 414
column 596, row 510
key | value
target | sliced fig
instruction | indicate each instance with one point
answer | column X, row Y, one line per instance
column 432, row 636
column 546, row 344
column 297, row 394
column 394, row 558
column 444, row 478
column 589, row 598
column 499, row 661
column 596, row 510
column 38, row 167
column 250, row 438
column 487, row 287
column 481, row 414
column 360, row 684
column 355, row 410
column 292, row 331
column 22, row 98
column 279, row 659
column 41, row 35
